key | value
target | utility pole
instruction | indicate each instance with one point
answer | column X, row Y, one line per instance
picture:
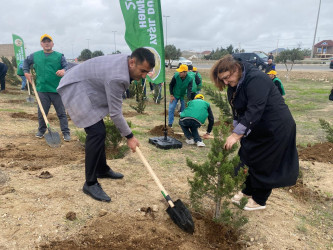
column 314, row 38
column 72, row 52
column 114, row 38
column 166, row 30
column 88, row 42
column 277, row 47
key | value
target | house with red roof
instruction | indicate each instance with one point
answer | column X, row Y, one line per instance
column 323, row 49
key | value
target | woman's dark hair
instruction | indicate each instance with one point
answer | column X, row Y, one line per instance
column 143, row 54
column 226, row 63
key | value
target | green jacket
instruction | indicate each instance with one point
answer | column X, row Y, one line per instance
column 197, row 109
column 179, row 89
column 46, row 68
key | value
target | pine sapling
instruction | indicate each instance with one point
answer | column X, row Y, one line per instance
column 328, row 128
column 216, row 179
column 140, row 99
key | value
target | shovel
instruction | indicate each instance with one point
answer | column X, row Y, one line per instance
column 176, row 210
column 52, row 138
column 29, row 98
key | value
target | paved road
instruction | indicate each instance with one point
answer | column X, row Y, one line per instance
column 281, row 67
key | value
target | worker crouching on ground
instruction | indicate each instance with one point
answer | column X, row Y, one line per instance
column 195, row 114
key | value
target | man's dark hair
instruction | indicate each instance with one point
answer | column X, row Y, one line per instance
column 143, row 54
column 190, row 67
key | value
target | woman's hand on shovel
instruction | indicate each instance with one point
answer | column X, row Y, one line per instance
column 132, row 143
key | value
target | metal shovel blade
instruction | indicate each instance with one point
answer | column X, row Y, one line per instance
column 181, row 216
column 30, row 99
column 52, row 138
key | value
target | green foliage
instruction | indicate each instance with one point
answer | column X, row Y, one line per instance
column 171, row 52
column 132, row 90
column 219, row 53
column 14, row 61
column 140, row 98
column 289, row 56
column 97, row 53
column 117, row 52
column 221, row 101
column 82, row 136
column 11, row 73
column 328, row 128
column 215, row 179
column 85, row 55
column 112, row 140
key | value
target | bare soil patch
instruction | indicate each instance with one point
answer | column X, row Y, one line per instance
column 320, row 152
column 42, row 204
column 159, row 131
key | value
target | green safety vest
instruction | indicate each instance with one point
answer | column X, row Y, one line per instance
column 194, row 84
column 46, row 68
column 278, row 80
column 197, row 109
column 180, row 88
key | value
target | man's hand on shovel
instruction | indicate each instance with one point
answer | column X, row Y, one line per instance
column 132, row 143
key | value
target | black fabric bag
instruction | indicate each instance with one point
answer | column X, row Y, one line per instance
column 330, row 97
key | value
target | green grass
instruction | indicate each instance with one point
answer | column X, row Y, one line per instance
column 12, row 110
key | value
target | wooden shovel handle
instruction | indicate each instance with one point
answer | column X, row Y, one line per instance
column 39, row 103
column 150, row 170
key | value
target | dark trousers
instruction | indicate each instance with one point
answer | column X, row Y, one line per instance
column 48, row 98
column 95, row 160
column 190, row 129
column 3, row 81
column 259, row 195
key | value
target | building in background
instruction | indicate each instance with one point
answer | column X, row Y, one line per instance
column 7, row 50
column 323, row 49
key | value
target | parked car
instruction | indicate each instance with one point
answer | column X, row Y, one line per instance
column 331, row 64
column 178, row 62
column 258, row 59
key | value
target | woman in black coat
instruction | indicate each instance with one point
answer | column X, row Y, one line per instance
column 264, row 126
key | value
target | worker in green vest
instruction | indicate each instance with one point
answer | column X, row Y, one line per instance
column 195, row 115
column 199, row 86
column 180, row 84
column 50, row 66
column 195, row 81
column 272, row 74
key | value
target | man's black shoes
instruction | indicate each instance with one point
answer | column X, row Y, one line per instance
column 111, row 174
column 96, row 192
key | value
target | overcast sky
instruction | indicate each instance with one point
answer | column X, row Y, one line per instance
column 192, row 24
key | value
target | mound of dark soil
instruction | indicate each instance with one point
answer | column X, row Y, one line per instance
column 159, row 131
column 321, row 152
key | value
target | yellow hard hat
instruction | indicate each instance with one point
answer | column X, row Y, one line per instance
column 272, row 72
column 195, row 69
column 45, row 36
column 199, row 96
column 182, row 68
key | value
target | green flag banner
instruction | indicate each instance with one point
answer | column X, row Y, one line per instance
column 144, row 28
column 19, row 53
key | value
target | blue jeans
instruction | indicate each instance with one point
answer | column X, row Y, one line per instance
column 190, row 129
column 24, row 82
column 172, row 107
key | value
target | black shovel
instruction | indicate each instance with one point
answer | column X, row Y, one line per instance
column 176, row 210
column 52, row 137
column 29, row 98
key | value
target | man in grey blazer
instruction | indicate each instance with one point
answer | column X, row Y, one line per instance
column 94, row 89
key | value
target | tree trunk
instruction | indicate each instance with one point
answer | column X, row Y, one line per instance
column 218, row 198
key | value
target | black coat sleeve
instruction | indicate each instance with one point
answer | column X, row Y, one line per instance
column 256, row 92
column 172, row 85
column 210, row 120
